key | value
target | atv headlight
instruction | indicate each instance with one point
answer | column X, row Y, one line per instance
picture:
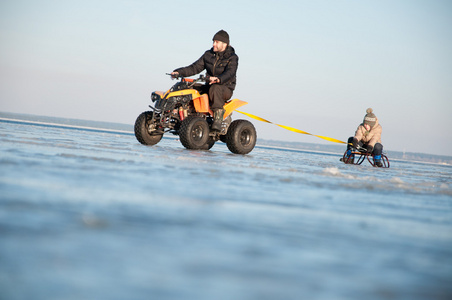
column 155, row 97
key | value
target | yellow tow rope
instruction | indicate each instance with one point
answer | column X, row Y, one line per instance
column 291, row 128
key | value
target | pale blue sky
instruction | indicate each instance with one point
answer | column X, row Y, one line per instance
column 312, row 65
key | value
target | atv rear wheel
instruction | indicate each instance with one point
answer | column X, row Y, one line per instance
column 241, row 137
column 144, row 129
column 194, row 134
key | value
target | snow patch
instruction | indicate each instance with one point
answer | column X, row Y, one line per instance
column 332, row 171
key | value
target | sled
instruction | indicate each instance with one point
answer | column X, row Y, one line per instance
column 358, row 156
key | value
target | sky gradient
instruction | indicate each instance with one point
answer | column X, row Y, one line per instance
column 313, row 65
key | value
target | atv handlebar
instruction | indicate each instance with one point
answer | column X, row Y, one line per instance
column 190, row 80
column 172, row 76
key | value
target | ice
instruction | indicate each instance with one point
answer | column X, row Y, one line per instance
column 96, row 215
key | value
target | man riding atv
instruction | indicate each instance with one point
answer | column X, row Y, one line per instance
column 220, row 63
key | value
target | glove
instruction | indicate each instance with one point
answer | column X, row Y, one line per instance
column 355, row 143
column 370, row 148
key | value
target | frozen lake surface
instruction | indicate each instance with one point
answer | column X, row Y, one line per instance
column 96, row 215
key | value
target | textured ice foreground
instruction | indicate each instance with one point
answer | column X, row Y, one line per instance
column 92, row 215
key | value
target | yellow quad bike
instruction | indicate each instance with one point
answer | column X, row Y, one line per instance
column 183, row 111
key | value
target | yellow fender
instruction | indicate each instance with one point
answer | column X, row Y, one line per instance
column 194, row 93
column 232, row 105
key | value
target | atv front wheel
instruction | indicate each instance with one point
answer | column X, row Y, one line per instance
column 194, row 134
column 209, row 144
column 145, row 131
column 241, row 137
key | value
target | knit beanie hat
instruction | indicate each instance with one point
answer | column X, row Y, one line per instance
column 221, row 36
column 370, row 118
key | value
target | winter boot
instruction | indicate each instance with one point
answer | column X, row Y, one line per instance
column 349, row 158
column 217, row 119
column 377, row 161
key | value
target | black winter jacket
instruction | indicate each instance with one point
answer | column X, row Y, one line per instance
column 222, row 65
